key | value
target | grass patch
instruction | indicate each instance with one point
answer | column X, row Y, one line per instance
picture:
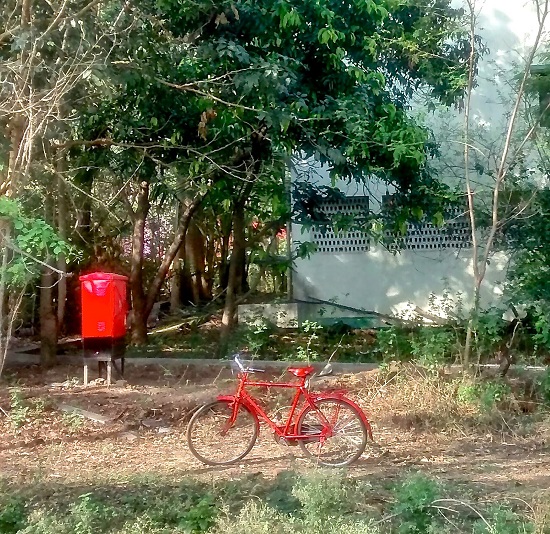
column 323, row 501
column 407, row 396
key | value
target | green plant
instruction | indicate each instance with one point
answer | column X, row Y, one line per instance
column 19, row 408
column 432, row 346
column 489, row 327
column 324, row 502
column 487, row 394
column 502, row 520
column 445, row 305
column 72, row 421
column 307, row 352
column 13, row 514
column 89, row 515
column 543, row 386
column 253, row 517
column 258, row 336
column 394, row 343
column 414, row 506
column 200, row 516
column 22, row 410
column 323, row 495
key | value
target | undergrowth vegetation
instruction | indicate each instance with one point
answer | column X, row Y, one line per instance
column 429, row 399
column 327, row 502
column 407, row 339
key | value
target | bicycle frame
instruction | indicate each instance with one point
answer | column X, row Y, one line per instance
column 286, row 431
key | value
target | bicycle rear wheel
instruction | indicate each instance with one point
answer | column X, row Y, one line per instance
column 349, row 433
column 214, row 440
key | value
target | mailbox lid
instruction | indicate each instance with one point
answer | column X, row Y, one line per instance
column 104, row 305
column 103, row 276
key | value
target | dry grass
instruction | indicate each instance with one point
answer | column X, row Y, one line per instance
column 541, row 512
column 407, row 397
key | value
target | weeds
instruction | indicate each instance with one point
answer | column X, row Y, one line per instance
column 12, row 514
column 72, row 421
column 23, row 410
column 488, row 395
column 543, row 387
column 433, row 347
column 327, row 502
column 414, row 506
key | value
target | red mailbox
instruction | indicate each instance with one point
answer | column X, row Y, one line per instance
column 104, row 305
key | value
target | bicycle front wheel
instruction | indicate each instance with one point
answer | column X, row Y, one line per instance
column 348, row 434
column 214, row 440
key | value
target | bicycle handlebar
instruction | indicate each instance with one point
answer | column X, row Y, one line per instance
column 326, row 371
column 242, row 368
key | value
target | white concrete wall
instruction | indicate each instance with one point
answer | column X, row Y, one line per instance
column 380, row 281
column 383, row 282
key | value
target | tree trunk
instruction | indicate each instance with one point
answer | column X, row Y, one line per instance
column 470, row 331
column 175, row 282
column 234, row 282
column 179, row 237
column 224, row 253
column 139, row 303
column 210, row 264
column 5, row 235
column 48, row 317
column 62, row 226
column 195, row 259
column 85, row 181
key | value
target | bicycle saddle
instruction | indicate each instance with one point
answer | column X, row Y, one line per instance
column 301, row 371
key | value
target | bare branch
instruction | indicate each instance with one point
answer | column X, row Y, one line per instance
column 186, row 87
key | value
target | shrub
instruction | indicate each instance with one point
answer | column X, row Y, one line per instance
column 502, row 520
column 432, row 347
column 13, row 515
column 415, row 496
column 543, row 387
column 323, row 495
column 487, row 394
column 394, row 343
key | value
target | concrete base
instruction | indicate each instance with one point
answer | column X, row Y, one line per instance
column 293, row 314
column 283, row 315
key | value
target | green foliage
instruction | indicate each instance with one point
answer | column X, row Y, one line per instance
column 260, row 58
column 432, row 347
column 13, row 514
column 541, row 315
column 258, row 336
column 323, row 495
column 72, row 421
column 307, row 353
column 394, row 343
column 488, row 328
column 23, row 410
column 528, row 279
column 502, row 520
column 200, row 516
column 323, row 501
column 33, row 240
column 19, row 408
column 415, row 497
column 487, row 394
column 189, row 509
column 254, row 517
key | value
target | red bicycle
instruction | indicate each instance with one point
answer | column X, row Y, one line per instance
column 328, row 427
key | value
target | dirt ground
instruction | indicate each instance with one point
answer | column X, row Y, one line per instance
column 145, row 434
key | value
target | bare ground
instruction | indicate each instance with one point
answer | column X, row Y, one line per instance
column 147, row 436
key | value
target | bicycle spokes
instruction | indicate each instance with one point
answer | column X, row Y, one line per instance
column 340, row 436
